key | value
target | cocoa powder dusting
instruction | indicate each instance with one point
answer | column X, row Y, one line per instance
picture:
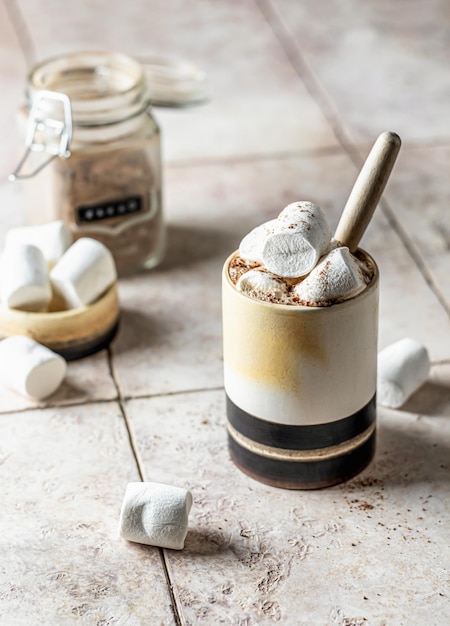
column 239, row 266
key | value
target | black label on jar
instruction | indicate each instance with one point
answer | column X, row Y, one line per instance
column 109, row 210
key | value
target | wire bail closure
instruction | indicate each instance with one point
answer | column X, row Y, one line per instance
column 46, row 134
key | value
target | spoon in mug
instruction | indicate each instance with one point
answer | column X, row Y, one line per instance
column 367, row 190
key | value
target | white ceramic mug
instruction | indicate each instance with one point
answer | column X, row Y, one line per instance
column 300, row 385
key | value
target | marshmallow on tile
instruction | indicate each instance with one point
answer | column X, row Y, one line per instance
column 30, row 368
column 299, row 237
column 337, row 277
column 52, row 239
column 250, row 248
column 24, row 282
column 84, row 272
column 261, row 283
column 155, row 514
column 403, row 367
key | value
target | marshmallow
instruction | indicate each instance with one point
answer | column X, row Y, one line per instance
column 299, row 237
column 337, row 277
column 155, row 514
column 30, row 368
column 52, row 239
column 84, row 272
column 24, row 281
column 402, row 368
column 260, row 283
column 250, row 248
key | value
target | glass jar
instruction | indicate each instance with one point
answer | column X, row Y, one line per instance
column 105, row 182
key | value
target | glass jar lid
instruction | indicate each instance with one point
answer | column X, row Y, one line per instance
column 92, row 89
column 103, row 88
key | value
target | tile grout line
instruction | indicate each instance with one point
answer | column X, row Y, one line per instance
column 324, row 151
column 120, row 402
column 22, row 31
column 303, row 70
column 414, row 253
column 149, row 396
column 239, row 159
column 117, row 399
column 145, row 396
column 175, row 605
column 308, row 78
column 407, row 242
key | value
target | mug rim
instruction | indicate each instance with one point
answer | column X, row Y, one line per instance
column 301, row 307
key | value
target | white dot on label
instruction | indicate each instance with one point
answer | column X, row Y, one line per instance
column 132, row 204
column 121, row 208
column 100, row 212
column 110, row 210
column 89, row 214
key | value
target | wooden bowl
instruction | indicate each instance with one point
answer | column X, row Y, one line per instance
column 73, row 333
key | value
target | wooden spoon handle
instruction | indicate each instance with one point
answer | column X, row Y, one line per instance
column 367, row 190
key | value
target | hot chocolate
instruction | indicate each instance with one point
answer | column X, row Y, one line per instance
column 311, row 271
column 300, row 317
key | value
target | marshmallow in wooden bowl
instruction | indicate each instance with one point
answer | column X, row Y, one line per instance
column 84, row 272
column 403, row 367
column 52, row 239
column 30, row 368
column 155, row 514
column 24, row 282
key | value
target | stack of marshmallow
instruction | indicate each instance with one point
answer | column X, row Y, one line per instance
column 296, row 253
column 40, row 260
column 38, row 264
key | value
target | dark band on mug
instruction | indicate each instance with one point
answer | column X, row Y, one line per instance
column 88, row 347
column 306, row 437
column 303, row 475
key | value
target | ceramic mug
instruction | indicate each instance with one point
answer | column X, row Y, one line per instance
column 300, row 386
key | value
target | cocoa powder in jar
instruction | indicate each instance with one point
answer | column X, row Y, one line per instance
column 109, row 187
column 113, row 196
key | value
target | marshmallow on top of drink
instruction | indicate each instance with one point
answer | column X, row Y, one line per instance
column 293, row 260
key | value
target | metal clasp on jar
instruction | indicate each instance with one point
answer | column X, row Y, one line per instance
column 47, row 131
